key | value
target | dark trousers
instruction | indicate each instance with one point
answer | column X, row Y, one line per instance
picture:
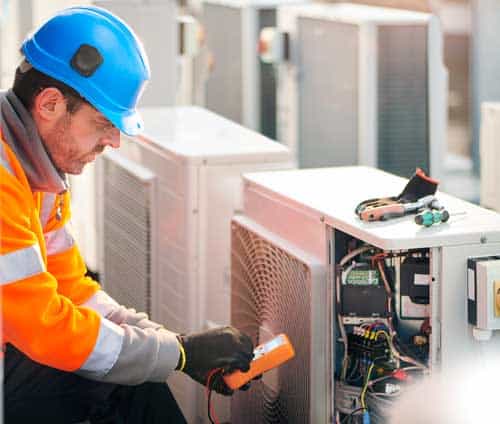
column 34, row 393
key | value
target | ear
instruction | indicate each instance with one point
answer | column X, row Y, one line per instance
column 49, row 105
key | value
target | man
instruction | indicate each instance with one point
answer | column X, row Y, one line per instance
column 72, row 353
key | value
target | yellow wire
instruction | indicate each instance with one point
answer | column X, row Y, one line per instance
column 365, row 387
column 183, row 357
column 385, row 333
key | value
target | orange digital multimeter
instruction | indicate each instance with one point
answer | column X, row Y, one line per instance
column 265, row 357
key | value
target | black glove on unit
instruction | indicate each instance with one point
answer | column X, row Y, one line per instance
column 224, row 347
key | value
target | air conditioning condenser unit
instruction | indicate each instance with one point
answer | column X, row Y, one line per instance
column 239, row 86
column 356, row 297
column 166, row 199
column 362, row 85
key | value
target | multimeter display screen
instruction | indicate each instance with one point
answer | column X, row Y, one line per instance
column 267, row 347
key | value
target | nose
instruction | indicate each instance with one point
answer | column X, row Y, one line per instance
column 112, row 138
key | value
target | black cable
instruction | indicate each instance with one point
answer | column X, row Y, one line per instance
column 211, row 375
column 344, row 420
column 209, row 406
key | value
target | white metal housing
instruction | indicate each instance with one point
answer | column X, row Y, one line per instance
column 17, row 19
column 484, row 65
column 489, row 154
column 170, row 38
column 166, row 199
column 11, row 35
column 157, row 23
column 238, row 85
column 305, row 209
column 84, row 215
column 363, row 85
column 483, row 287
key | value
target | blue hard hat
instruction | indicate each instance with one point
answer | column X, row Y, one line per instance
column 98, row 55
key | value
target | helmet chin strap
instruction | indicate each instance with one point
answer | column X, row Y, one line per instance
column 24, row 66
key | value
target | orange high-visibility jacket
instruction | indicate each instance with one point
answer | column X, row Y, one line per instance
column 50, row 310
column 42, row 277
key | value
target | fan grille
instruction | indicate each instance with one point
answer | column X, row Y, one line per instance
column 271, row 294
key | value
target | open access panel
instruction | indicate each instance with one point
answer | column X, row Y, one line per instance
column 369, row 307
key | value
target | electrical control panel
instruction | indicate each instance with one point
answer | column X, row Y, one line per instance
column 379, row 347
column 362, row 292
column 414, row 289
column 483, row 295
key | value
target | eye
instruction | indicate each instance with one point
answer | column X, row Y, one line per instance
column 104, row 126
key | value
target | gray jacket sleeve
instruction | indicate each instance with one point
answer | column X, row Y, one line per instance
column 148, row 351
column 107, row 307
column 122, row 315
column 146, row 355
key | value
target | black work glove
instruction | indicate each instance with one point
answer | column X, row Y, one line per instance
column 225, row 348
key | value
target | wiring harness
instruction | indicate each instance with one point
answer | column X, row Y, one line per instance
column 374, row 360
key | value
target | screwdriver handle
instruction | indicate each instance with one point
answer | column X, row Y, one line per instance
column 429, row 217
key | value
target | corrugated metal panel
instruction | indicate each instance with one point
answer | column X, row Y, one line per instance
column 174, row 305
column 224, row 93
column 271, row 294
column 267, row 18
column 328, row 93
column 403, row 137
column 127, row 236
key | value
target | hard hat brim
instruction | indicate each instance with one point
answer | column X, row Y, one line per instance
column 129, row 123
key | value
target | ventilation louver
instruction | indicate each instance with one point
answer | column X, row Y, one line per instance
column 127, row 226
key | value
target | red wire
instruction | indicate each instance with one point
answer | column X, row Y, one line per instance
column 211, row 411
column 378, row 257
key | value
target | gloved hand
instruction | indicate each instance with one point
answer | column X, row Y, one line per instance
column 224, row 347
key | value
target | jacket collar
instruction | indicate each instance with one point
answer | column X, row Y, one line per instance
column 21, row 134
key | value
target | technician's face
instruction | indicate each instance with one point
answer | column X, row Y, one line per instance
column 76, row 139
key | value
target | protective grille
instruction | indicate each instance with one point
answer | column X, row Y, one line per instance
column 271, row 294
column 328, row 93
column 224, row 93
column 127, row 233
column 403, row 139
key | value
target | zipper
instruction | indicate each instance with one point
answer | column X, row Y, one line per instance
column 60, row 204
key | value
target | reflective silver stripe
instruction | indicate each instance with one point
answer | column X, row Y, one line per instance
column 102, row 303
column 3, row 159
column 47, row 206
column 106, row 350
column 21, row 263
column 59, row 240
